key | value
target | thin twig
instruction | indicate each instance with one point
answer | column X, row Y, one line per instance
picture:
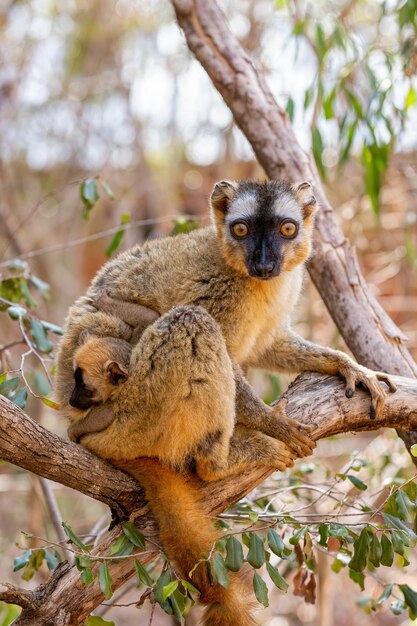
column 99, row 235
column 55, row 515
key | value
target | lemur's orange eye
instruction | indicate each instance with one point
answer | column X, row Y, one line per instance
column 288, row 229
column 240, row 229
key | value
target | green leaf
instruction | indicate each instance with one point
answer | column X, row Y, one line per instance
column 320, row 41
column 295, row 539
column 275, row 542
column 318, row 148
column 16, row 311
column 375, row 550
column 256, row 554
column 360, row 555
column 89, row 193
column 22, row 560
column 359, row 484
column 385, row 594
column 189, row 586
column 411, row 98
column 404, row 505
column 107, row 189
column 337, row 565
column 40, row 285
column 398, row 607
column 276, row 577
column 387, row 556
column 26, row 295
column 95, row 620
column 339, row 531
column 142, row 574
column 41, row 383
column 177, row 602
column 234, row 554
column 134, row 535
column 51, row 403
column 52, row 560
column 220, row 571
column 104, row 580
column 391, row 520
column 35, row 562
column 413, row 449
column 39, row 337
column 121, row 547
column 357, row 578
column 162, row 581
column 410, row 598
column 74, row 538
column 9, row 385
column 397, row 543
column 20, row 398
column 260, row 589
column 169, row 589
column 58, row 330
column 290, row 108
column 118, row 236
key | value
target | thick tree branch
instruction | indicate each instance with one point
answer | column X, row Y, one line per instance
column 368, row 331
column 28, row 445
column 311, row 399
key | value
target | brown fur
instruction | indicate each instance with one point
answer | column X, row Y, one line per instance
column 185, row 383
column 167, row 490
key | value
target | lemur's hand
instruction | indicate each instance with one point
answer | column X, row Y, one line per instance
column 295, row 435
column 355, row 374
column 96, row 420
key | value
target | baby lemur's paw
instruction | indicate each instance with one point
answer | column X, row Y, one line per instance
column 355, row 374
column 103, row 302
column 295, row 435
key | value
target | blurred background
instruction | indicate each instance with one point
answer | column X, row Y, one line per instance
column 111, row 133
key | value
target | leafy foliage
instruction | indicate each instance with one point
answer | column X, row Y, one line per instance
column 358, row 100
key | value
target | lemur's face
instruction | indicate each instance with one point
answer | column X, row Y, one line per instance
column 97, row 372
column 265, row 228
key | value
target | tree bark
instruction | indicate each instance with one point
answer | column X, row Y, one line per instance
column 311, row 399
column 368, row 331
column 26, row 444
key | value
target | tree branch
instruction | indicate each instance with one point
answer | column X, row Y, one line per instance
column 368, row 331
column 311, row 399
column 26, row 444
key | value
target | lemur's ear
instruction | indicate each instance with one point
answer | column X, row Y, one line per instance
column 305, row 197
column 116, row 373
column 222, row 194
column 84, row 336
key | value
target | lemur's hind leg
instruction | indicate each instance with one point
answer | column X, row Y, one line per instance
column 247, row 448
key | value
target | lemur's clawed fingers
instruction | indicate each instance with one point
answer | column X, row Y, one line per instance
column 284, row 457
column 387, row 380
column 355, row 374
column 294, row 434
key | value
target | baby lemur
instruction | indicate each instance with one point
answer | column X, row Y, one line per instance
column 225, row 295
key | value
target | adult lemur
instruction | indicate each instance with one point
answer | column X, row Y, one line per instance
column 225, row 294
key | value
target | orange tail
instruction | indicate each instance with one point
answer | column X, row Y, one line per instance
column 186, row 533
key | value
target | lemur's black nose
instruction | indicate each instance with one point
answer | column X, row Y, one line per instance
column 264, row 269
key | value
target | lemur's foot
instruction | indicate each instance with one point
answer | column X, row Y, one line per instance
column 295, row 435
column 283, row 457
column 355, row 374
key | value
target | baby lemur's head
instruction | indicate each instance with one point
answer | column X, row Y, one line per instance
column 265, row 227
column 100, row 366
